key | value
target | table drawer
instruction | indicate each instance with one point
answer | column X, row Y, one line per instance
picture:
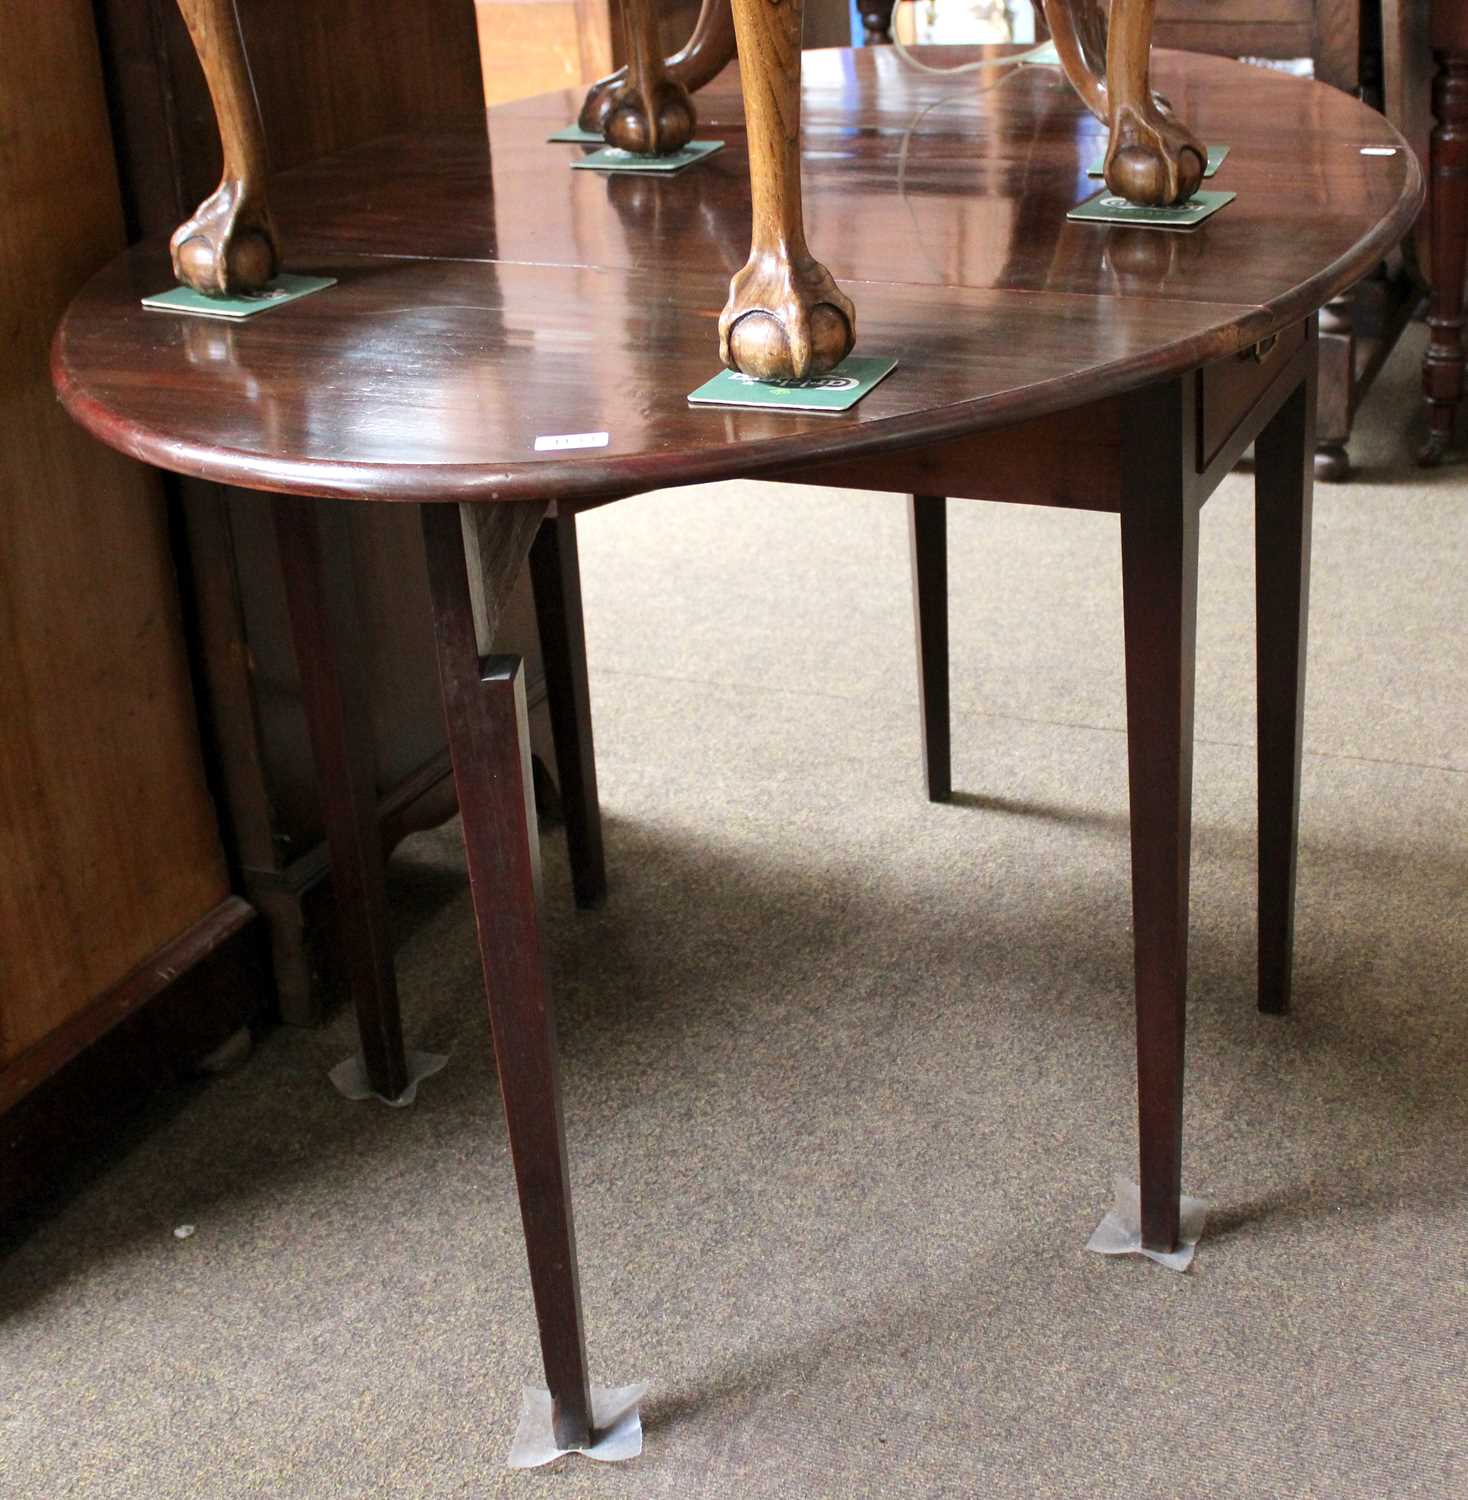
column 1228, row 390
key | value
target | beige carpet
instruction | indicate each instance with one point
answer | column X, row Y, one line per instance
column 847, row 1075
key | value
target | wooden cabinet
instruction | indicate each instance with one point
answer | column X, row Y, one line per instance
column 113, row 884
column 330, row 76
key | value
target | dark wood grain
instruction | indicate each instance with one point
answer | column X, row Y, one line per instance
column 1159, row 565
column 999, row 309
column 326, row 632
column 1442, row 368
column 1282, row 507
column 484, row 708
column 927, row 519
column 555, row 571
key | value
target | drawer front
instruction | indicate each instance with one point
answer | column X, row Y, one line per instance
column 1228, row 390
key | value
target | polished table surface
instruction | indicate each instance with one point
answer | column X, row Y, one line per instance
column 489, row 295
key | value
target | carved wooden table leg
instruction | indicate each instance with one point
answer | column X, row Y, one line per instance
column 1442, row 369
column 1283, row 475
column 649, row 112
column 1159, row 559
column 1152, row 157
column 705, row 55
column 471, row 564
column 229, row 245
column 785, row 316
column 314, row 542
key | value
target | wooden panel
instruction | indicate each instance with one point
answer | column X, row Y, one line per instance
column 107, row 838
column 1238, row 28
column 1337, row 45
column 528, row 46
column 328, row 74
column 1241, row 39
column 1229, row 389
column 1033, row 463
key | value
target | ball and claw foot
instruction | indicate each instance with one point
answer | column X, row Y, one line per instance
column 228, row 247
column 785, row 321
column 1332, row 463
column 599, row 101
column 657, row 131
column 1153, row 158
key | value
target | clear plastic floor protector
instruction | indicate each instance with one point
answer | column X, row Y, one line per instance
column 1120, row 1232
column 349, row 1077
column 615, row 1414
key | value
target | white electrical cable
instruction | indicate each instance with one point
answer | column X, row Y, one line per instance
column 900, row 48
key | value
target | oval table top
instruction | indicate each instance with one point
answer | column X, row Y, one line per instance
column 488, row 295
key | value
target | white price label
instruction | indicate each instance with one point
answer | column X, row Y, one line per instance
column 572, row 440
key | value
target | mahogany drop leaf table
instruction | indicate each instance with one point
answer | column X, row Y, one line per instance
column 487, row 296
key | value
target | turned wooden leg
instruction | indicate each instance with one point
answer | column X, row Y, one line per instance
column 320, row 595
column 648, row 112
column 706, row 54
column 876, row 21
column 1336, row 388
column 928, row 533
column 1442, row 369
column 785, row 317
column 1159, row 556
column 484, row 708
column 1152, row 156
column 1283, row 481
column 555, row 574
column 229, row 246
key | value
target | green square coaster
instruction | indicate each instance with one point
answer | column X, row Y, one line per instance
column 614, row 159
column 1216, row 155
column 285, row 288
column 838, row 390
column 1105, row 208
column 574, row 135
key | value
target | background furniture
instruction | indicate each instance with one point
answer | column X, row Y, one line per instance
column 1445, row 248
column 330, row 78
column 124, row 955
column 1379, row 51
column 1096, row 368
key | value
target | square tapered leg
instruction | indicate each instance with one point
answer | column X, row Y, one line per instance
column 484, row 706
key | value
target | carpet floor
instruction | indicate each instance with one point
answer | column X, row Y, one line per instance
column 847, row 1074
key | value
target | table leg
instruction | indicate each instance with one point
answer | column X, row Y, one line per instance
column 484, row 707
column 1159, row 555
column 1442, row 368
column 555, row 573
column 928, row 532
column 1283, row 482
column 315, row 545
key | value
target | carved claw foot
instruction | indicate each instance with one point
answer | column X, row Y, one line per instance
column 1153, row 158
column 228, row 246
column 785, row 319
column 655, row 123
column 599, row 101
